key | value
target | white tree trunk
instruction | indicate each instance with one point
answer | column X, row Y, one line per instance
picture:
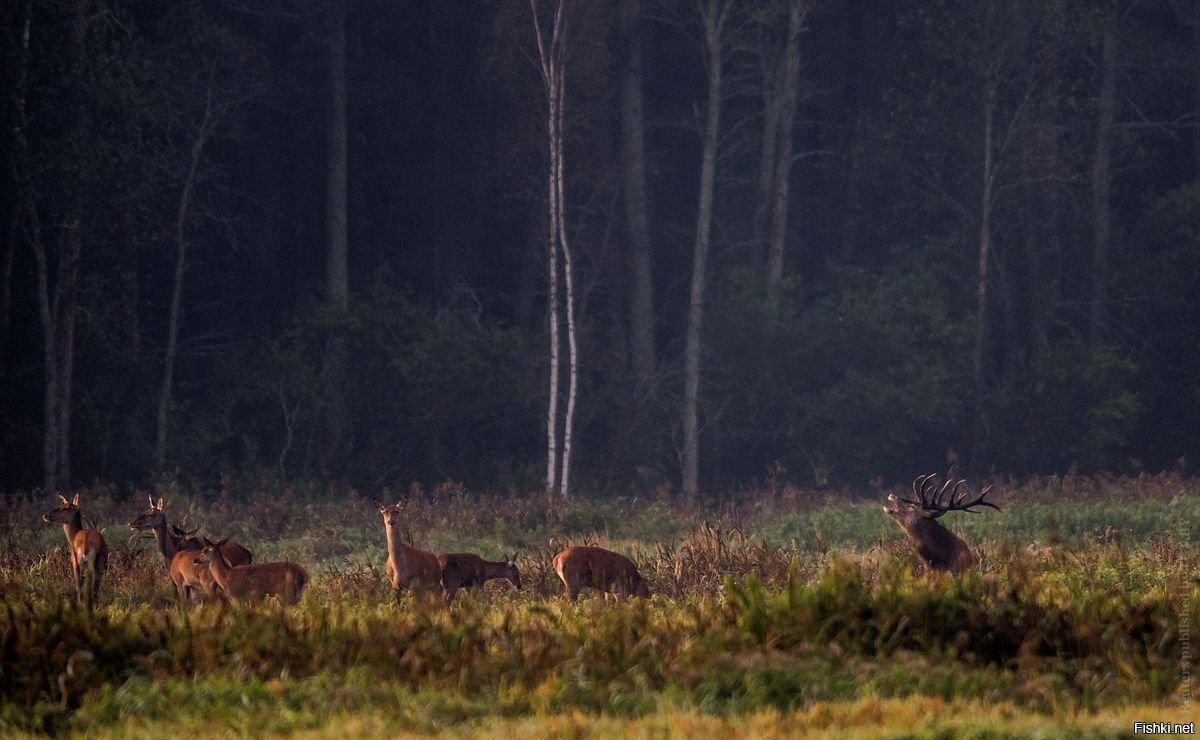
column 550, row 56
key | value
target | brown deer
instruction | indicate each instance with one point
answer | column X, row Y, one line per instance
column 603, row 570
column 938, row 547
column 246, row 583
column 467, row 570
column 183, row 571
column 89, row 553
column 406, row 566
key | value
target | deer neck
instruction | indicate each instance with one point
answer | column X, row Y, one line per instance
column 167, row 546
column 72, row 526
column 396, row 547
column 219, row 568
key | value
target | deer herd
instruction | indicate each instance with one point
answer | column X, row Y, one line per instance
column 224, row 570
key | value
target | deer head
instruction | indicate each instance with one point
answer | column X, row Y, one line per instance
column 940, row 548
column 151, row 518
column 65, row 512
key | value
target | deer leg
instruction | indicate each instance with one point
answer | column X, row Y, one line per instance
column 76, row 577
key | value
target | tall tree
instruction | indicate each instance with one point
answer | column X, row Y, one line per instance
column 332, row 438
column 780, row 181
column 552, row 56
column 637, row 222
column 1102, row 175
column 714, row 15
column 202, row 88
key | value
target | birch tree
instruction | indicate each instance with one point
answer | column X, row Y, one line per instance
column 552, row 54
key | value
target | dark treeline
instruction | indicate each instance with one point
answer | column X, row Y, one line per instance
column 309, row 239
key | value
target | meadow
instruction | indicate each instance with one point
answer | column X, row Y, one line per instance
column 788, row 612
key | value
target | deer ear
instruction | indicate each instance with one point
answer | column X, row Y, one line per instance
column 161, row 503
column 221, row 544
column 75, row 502
column 150, row 498
column 402, row 503
column 208, row 542
column 63, row 499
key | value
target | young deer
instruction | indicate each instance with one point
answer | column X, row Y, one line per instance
column 178, row 548
column 406, row 566
column 603, row 570
column 89, row 553
column 940, row 548
column 245, row 583
column 467, row 570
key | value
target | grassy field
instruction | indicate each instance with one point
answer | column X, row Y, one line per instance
column 796, row 613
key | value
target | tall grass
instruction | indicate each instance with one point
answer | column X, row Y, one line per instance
column 762, row 605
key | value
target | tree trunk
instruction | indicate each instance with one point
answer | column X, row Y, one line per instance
column 6, row 271
column 336, row 270
column 1102, row 181
column 783, row 161
column 333, row 433
column 714, row 13
column 1195, row 7
column 569, row 285
column 633, row 155
column 68, row 292
column 550, row 58
column 982, row 314
column 182, row 213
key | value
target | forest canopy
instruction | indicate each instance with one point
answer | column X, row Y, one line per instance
column 810, row 240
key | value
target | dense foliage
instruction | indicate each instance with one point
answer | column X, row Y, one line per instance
column 177, row 152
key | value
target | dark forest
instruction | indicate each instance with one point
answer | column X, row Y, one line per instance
column 809, row 241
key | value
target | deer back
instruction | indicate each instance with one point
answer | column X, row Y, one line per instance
column 420, row 567
column 600, row 569
column 258, row 581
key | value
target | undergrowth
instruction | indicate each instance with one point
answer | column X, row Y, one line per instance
column 1078, row 605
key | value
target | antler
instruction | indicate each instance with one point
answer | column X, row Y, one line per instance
column 950, row 497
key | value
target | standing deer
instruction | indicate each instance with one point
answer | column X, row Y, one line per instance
column 245, row 583
column 940, row 548
column 406, row 566
column 467, row 570
column 183, row 571
column 89, row 553
column 603, row 570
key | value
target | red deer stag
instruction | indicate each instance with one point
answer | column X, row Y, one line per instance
column 940, row 548
column 89, row 553
column 175, row 546
column 603, row 570
column 406, row 566
column 246, row 583
column 467, row 570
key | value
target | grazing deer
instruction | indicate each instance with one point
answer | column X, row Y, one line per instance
column 245, row 583
column 89, row 553
column 406, row 566
column 603, row 570
column 467, row 570
column 940, row 548
column 183, row 571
